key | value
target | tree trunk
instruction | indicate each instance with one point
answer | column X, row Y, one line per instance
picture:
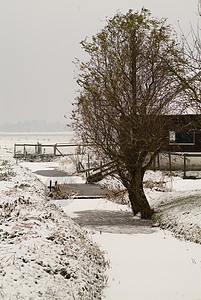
column 137, row 197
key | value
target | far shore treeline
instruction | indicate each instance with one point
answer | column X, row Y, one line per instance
column 34, row 126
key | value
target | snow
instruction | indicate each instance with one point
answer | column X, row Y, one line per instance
column 152, row 265
column 44, row 254
column 41, row 244
column 179, row 209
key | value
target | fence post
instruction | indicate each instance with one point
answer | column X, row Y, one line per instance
column 184, row 166
column 158, row 161
column 14, row 150
column 25, row 152
column 170, row 162
column 88, row 164
column 101, row 168
column 55, row 149
column 50, row 187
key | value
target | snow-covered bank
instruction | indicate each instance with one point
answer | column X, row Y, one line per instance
column 181, row 214
column 176, row 202
column 177, row 205
column 44, row 254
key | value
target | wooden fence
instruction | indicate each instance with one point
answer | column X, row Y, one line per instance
column 184, row 166
column 28, row 151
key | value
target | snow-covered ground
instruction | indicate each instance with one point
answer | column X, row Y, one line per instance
column 44, row 254
column 149, row 265
column 177, row 204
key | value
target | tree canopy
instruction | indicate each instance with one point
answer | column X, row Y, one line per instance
column 132, row 79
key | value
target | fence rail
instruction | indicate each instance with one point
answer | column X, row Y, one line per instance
column 44, row 150
column 185, row 164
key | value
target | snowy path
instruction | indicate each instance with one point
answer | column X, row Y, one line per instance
column 152, row 266
column 144, row 266
column 145, row 263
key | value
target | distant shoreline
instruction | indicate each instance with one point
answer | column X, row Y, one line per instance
column 3, row 133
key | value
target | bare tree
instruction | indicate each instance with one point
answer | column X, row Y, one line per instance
column 129, row 83
column 191, row 48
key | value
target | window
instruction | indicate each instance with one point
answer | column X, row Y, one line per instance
column 185, row 137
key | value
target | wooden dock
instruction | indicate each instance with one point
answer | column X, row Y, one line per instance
column 45, row 151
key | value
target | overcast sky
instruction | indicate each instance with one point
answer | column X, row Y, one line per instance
column 39, row 39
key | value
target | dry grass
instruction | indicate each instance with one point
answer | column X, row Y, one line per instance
column 61, row 191
column 161, row 185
